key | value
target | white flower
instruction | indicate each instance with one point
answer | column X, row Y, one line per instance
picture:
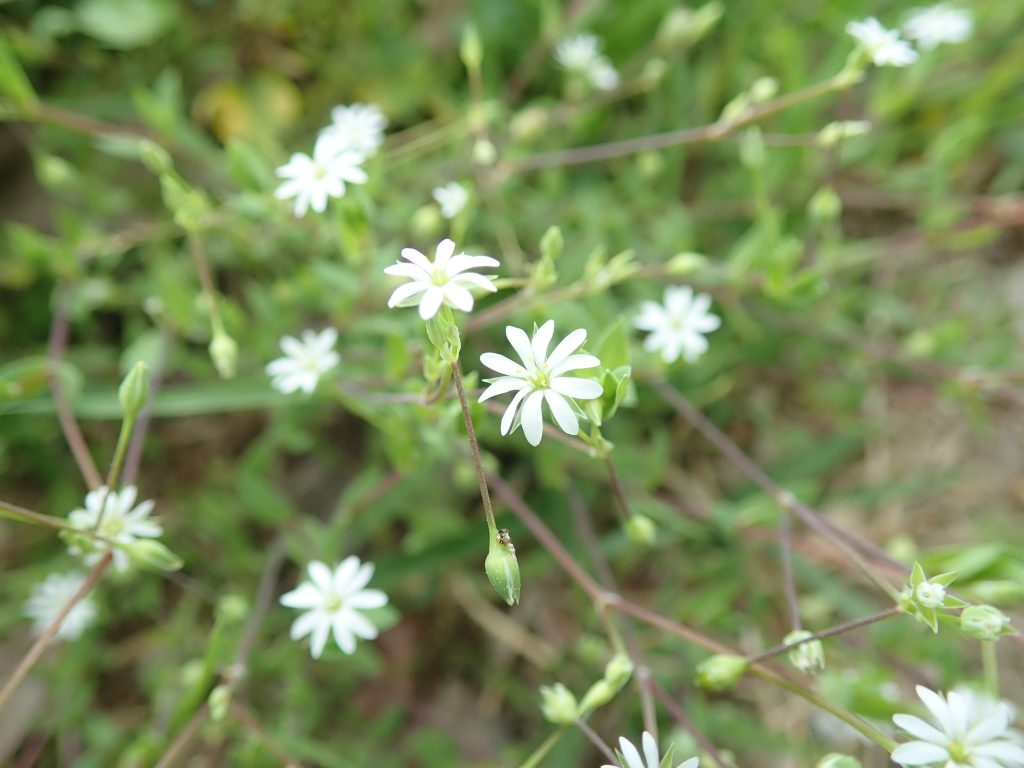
column 452, row 198
column 50, row 596
column 540, row 378
column 930, row 595
column 311, row 180
column 581, row 55
column 357, row 127
column 304, row 361
column 446, row 280
column 931, row 27
column 651, row 759
column 885, row 46
column 966, row 737
column 677, row 327
column 123, row 522
column 332, row 601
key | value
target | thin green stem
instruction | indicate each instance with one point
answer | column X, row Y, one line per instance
column 22, row 515
column 474, row 448
column 990, row 667
column 543, row 750
column 114, row 474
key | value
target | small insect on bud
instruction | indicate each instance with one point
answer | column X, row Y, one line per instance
column 721, row 672
column 809, row 656
column 134, row 390
column 984, row 622
column 558, row 704
column 502, row 567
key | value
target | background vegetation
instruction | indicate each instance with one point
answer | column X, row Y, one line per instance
column 872, row 296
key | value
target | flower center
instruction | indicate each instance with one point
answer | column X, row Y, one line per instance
column 959, row 753
column 112, row 525
column 540, row 376
column 439, row 277
column 332, row 604
column 319, row 171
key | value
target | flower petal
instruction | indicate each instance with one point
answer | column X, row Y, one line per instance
column 520, row 343
column 939, row 708
column 574, row 363
column 321, row 575
column 919, row 753
column 533, row 420
column 502, row 364
column 406, row 291
column 541, row 340
column 304, row 625
column 650, row 750
column 367, row 599
column 630, row 754
column 562, row 412
column 919, row 729
column 444, row 252
column 458, row 297
column 582, row 389
column 567, row 346
column 417, row 258
column 510, row 413
column 502, row 386
column 431, row 302
column 303, row 596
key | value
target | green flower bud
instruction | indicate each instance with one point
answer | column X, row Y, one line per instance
column 835, row 760
column 600, row 693
column 484, row 152
column 825, row 205
column 686, row 263
column 232, row 608
column 155, row 157
column 764, row 88
column 134, row 390
column 224, row 353
column 752, row 149
column 618, row 671
column 721, row 672
column 833, row 133
column 808, row 657
column 984, row 622
column 616, row 674
column 471, row 50
column 154, row 554
column 552, row 243
column 219, row 700
column 652, row 73
column 641, row 530
column 502, row 568
column 558, row 704
column 529, row 123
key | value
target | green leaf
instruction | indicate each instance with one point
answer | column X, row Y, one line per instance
column 613, row 346
column 126, row 24
column 248, row 166
column 14, row 83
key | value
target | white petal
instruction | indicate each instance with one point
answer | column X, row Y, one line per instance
column 303, row 596
column 463, row 261
column 582, row 389
column 502, row 364
column 520, row 343
column 344, row 638
column 541, row 340
column 563, row 413
column 991, row 726
column 650, row 750
column 320, row 634
column 321, row 575
column 533, row 421
column 458, row 297
column 360, row 579
column 919, row 753
column 359, row 625
column 367, row 599
column 652, row 316
column 417, row 258
column 919, row 729
column 431, row 302
column 445, row 249
column 474, row 280
column 510, row 413
column 958, row 711
column 567, row 346
column 693, row 762
column 575, row 363
column 1002, row 750
column 304, row 625
column 629, row 754
column 343, row 575
column 503, row 385
column 407, row 270
column 405, row 292
column 939, row 708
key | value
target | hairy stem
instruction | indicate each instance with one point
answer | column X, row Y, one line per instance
column 474, row 448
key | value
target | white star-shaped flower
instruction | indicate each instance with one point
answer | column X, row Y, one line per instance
column 885, row 46
column 304, row 362
column 966, row 737
column 651, row 759
column 678, row 326
column 445, row 280
column 123, row 522
column 452, row 198
column 50, row 596
column 312, row 180
column 931, row 27
column 541, row 378
column 332, row 601
column 581, row 55
column 357, row 127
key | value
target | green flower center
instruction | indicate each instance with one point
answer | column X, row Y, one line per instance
column 540, row 377
column 333, row 604
column 958, row 753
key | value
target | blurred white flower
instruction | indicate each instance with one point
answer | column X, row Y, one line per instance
column 331, row 602
column 311, row 180
column 581, row 55
column 304, row 362
column 50, row 596
column 885, row 46
column 942, row 23
column 540, row 378
column 452, row 198
column 651, row 759
column 930, row 595
column 123, row 522
column 357, row 127
column 445, row 280
column 677, row 326
column 966, row 736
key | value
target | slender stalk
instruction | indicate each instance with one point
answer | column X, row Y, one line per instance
column 990, row 667
column 841, row 539
column 713, row 132
column 474, row 448
column 538, row 755
column 114, row 474
column 195, row 247
column 849, row 626
column 687, row 724
column 184, row 737
column 68, row 425
column 247, row 719
column 786, row 551
column 596, row 740
column 41, row 643
column 618, row 488
column 36, row 518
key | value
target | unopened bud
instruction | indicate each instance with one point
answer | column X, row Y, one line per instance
column 552, row 243
column 232, row 608
column 721, row 672
column 224, row 353
column 470, row 48
column 502, row 568
column 641, row 530
column 752, row 148
column 558, row 704
column 134, row 390
column 529, row 123
column 808, row 657
column 484, row 152
column 219, row 700
column 984, row 622
column 685, row 263
column 155, row 157
column 825, row 205
column 154, row 554
column 833, row 133
column 764, row 88
column 618, row 671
